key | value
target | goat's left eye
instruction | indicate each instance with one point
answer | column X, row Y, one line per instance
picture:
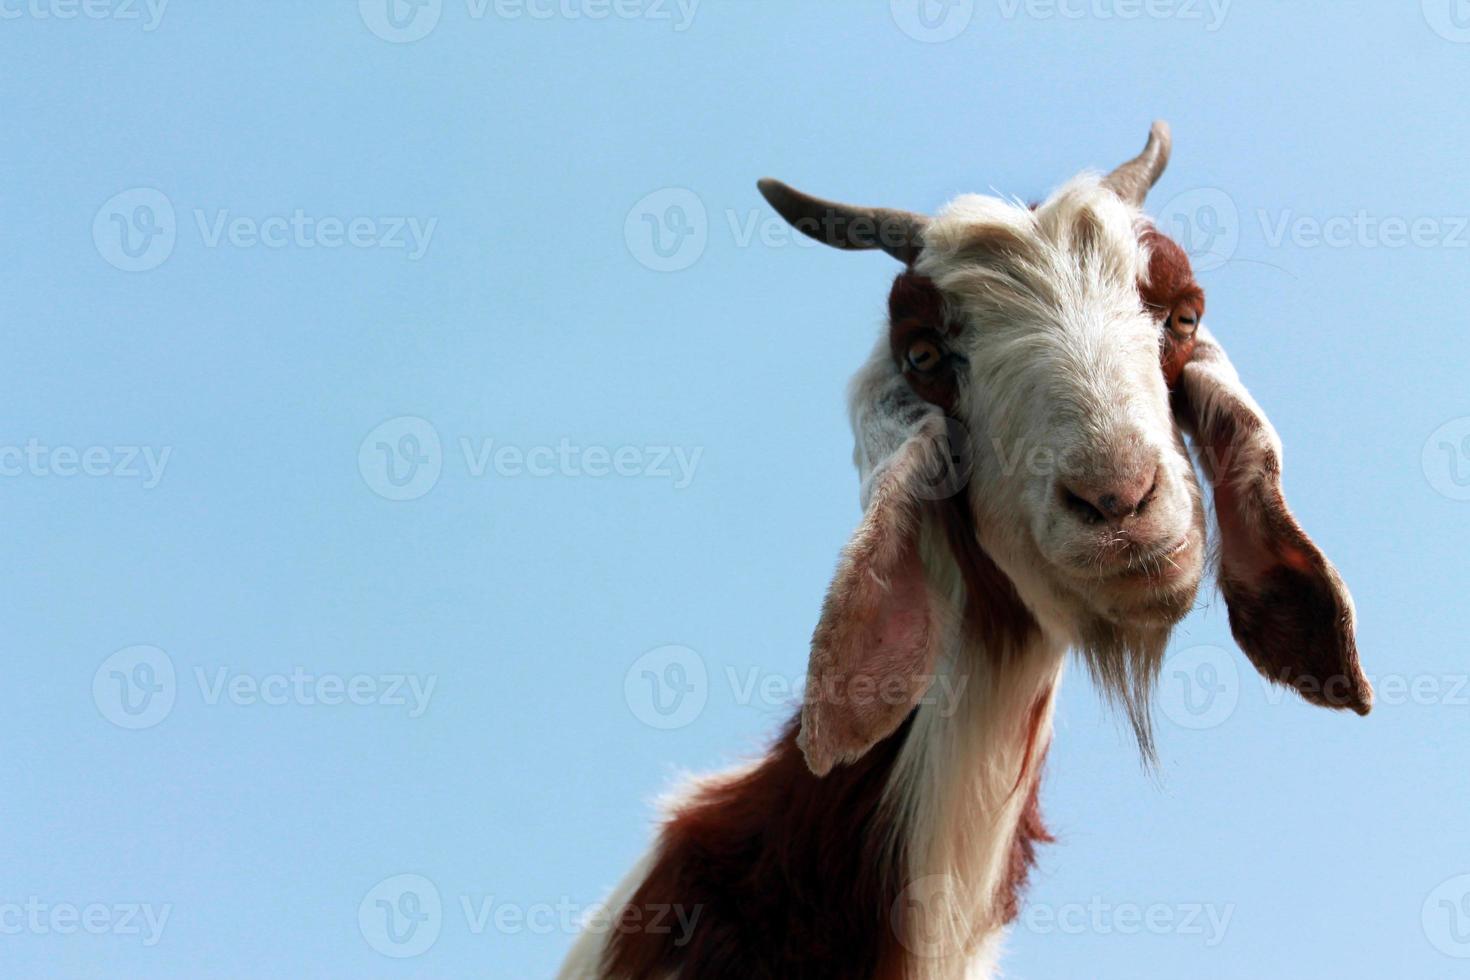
column 1184, row 322
column 924, row 355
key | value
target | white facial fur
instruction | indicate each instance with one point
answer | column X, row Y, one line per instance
column 1063, row 391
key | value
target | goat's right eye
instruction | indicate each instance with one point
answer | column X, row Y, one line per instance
column 924, row 355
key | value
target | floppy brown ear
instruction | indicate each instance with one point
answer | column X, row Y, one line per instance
column 1289, row 610
column 882, row 626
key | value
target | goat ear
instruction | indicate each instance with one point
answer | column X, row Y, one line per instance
column 1289, row 610
column 882, row 627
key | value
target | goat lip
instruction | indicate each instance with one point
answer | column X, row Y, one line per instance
column 1163, row 567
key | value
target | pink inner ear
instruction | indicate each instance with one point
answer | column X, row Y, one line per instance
column 1243, row 553
column 900, row 610
column 1249, row 549
column 873, row 650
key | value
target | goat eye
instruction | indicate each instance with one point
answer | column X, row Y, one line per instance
column 1184, row 322
column 924, row 355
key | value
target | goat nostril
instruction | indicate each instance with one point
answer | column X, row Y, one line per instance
column 1082, row 507
column 1148, row 496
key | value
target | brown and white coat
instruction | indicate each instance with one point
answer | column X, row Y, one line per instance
column 888, row 833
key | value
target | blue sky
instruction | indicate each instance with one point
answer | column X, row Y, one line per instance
column 388, row 397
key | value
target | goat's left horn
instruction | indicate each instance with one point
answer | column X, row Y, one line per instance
column 1132, row 180
column 847, row 226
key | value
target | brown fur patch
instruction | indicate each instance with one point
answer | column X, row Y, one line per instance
column 1173, row 296
column 1030, row 832
column 993, row 607
column 789, row 874
column 1288, row 608
column 916, row 312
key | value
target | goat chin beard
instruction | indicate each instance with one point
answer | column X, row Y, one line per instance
column 1124, row 659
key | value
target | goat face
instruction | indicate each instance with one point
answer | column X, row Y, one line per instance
column 1056, row 355
column 1081, row 487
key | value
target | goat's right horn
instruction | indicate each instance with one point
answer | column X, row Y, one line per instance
column 1132, row 180
column 847, row 226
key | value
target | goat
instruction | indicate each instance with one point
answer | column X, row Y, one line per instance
column 1022, row 438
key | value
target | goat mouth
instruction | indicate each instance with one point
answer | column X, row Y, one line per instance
column 1163, row 567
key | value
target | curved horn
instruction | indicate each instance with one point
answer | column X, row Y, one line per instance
column 1132, row 180
column 846, row 226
